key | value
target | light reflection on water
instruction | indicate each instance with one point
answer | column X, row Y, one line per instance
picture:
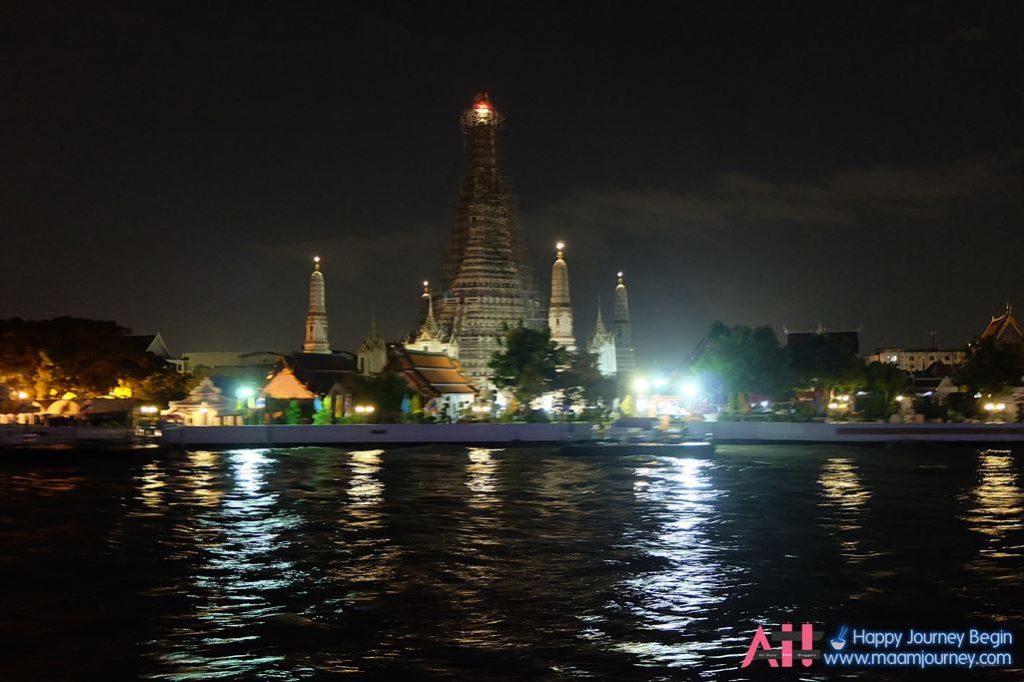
column 996, row 514
column 843, row 501
column 676, row 597
column 514, row 563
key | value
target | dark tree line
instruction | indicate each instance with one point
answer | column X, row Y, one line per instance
column 48, row 358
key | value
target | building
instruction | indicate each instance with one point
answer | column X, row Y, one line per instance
column 306, row 378
column 1004, row 329
column 845, row 341
column 436, row 377
column 206, row 406
column 918, row 360
column 373, row 352
column 625, row 360
column 316, row 316
column 150, row 343
column 430, row 337
column 485, row 281
column 602, row 344
column 560, row 308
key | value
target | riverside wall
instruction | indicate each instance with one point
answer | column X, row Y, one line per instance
column 862, row 432
column 279, row 435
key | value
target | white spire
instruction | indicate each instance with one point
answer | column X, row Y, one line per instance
column 316, row 317
column 560, row 310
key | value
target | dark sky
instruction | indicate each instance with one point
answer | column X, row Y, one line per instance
column 175, row 167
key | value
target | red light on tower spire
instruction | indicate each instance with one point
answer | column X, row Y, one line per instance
column 482, row 112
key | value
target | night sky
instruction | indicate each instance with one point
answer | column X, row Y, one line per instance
column 175, row 167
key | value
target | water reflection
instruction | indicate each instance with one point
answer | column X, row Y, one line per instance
column 675, row 597
column 482, row 477
column 997, row 503
column 151, row 484
column 843, row 500
column 244, row 574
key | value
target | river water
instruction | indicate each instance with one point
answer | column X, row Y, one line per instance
column 314, row 563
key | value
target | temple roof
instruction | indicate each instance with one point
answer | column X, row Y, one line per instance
column 432, row 374
column 319, row 371
column 1004, row 328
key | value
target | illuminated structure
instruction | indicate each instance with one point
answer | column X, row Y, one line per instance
column 602, row 344
column 373, row 352
column 560, row 310
column 625, row 362
column 316, row 317
column 1004, row 329
column 485, row 282
column 431, row 338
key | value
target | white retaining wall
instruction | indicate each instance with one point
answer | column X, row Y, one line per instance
column 819, row 432
column 340, row 434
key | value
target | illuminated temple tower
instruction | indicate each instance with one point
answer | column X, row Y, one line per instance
column 625, row 362
column 316, row 317
column 560, row 309
column 485, row 282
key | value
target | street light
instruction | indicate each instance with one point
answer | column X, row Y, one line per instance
column 640, row 385
column 244, row 392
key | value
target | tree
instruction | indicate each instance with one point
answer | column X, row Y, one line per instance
column 745, row 360
column 991, row 366
column 825, row 363
column 528, row 364
column 886, row 381
column 582, row 382
column 164, row 385
column 293, row 415
column 384, row 391
column 69, row 354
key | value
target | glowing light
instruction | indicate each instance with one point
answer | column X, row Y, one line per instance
column 560, row 245
column 641, row 385
column 620, row 273
column 660, row 382
column 900, row 398
column 316, row 259
column 833, row 406
column 764, row 404
column 149, row 409
column 690, row 390
column 244, row 392
column 365, row 409
column 22, row 395
column 426, row 283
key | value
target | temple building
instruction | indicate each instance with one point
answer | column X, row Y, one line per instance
column 602, row 344
column 373, row 353
column 1004, row 329
column 316, row 317
column 430, row 337
column 625, row 362
column 485, row 281
column 560, row 309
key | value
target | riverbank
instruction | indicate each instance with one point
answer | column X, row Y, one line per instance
column 862, row 432
column 279, row 435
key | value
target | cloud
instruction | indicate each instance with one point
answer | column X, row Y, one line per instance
column 733, row 201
